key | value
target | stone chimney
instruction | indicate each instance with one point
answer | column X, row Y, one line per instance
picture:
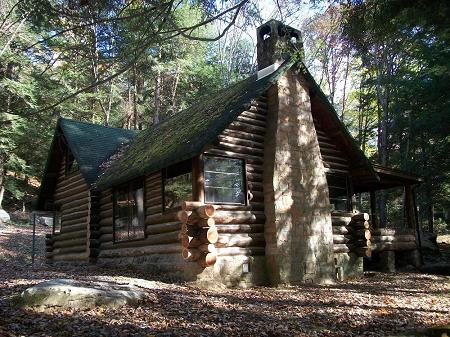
column 298, row 231
column 275, row 40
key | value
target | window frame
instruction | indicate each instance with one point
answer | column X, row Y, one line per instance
column 244, row 180
column 114, row 199
column 163, row 184
column 348, row 188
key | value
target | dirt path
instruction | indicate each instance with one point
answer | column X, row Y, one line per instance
column 377, row 305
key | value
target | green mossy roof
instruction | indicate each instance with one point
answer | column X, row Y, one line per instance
column 185, row 134
column 92, row 144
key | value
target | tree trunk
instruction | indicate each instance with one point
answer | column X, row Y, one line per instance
column 156, row 116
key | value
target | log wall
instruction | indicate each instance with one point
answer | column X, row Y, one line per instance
column 241, row 228
column 335, row 160
column 161, row 229
column 73, row 198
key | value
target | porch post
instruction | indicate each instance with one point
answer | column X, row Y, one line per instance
column 409, row 205
column 373, row 209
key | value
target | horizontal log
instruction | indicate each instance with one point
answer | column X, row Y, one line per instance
column 246, row 127
column 252, row 151
column 394, row 246
column 236, row 217
column 72, row 235
column 70, row 242
column 154, row 175
column 240, row 228
column 106, row 200
column 81, row 195
column 67, row 185
column 237, row 251
column 164, row 217
column 194, row 219
column 73, row 215
column 254, row 115
column 224, row 152
column 361, row 217
column 154, row 199
column 83, row 220
column 163, row 228
column 71, row 249
column 241, row 240
column 81, row 257
column 242, row 141
column 153, row 184
column 61, row 194
column 106, row 229
column 154, row 209
column 250, row 120
column 394, row 238
column 74, row 228
column 209, row 235
column 340, row 220
column 106, row 213
column 207, row 260
column 191, row 205
column 342, row 248
column 145, row 250
column 341, row 230
column 207, row 248
column 80, row 205
column 383, row 231
column 205, row 211
column 106, row 221
column 339, row 238
column 156, row 239
column 106, row 237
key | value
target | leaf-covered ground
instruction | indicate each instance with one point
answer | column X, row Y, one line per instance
column 377, row 305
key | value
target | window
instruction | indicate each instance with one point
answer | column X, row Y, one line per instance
column 129, row 215
column 339, row 189
column 177, row 184
column 71, row 163
column 224, row 180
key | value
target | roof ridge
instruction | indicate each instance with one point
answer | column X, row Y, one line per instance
column 97, row 125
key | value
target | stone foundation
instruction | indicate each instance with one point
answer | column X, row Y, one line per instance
column 229, row 271
column 348, row 266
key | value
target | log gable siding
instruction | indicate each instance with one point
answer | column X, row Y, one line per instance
column 334, row 159
column 72, row 195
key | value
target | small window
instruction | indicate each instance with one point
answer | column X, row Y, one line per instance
column 224, row 180
column 129, row 215
column 177, row 184
column 339, row 189
column 71, row 163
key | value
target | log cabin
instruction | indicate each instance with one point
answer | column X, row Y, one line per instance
column 251, row 186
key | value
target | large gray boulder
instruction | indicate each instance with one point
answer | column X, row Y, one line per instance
column 78, row 294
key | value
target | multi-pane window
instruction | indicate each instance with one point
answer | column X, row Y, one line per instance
column 339, row 189
column 224, row 180
column 129, row 215
column 177, row 184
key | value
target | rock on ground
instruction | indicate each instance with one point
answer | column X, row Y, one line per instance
column 4, row 216
column 77, row 294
